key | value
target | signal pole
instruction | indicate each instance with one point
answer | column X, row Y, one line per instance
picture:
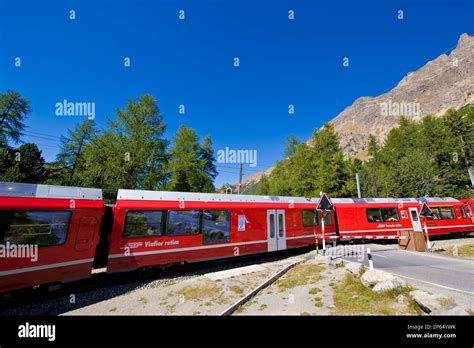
column 358, row 186
column 240, row 177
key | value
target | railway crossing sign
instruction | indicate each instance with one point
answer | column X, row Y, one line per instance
column 426, row 211
column 324, row 203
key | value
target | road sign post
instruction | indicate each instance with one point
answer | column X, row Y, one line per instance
column 425, row 213
column 324, row 205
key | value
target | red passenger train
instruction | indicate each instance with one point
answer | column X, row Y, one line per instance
column 53, row 234
column 384, row 217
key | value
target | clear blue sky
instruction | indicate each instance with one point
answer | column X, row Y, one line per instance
column 190, row 62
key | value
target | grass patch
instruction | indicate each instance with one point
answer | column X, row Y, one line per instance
column 318, row 302
column 262, row 307
column 352, row 297
column 113, row 309
column 470, row 311
column 143, row 300
column 446, row 301
column 196, row 292
column 300, row 275
column 305, row 313
column 237, row 289
column 314, row 291
column 466, row 250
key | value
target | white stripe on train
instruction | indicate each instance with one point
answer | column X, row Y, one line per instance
column 151, row 252
column 40, row 268
column 329, row 235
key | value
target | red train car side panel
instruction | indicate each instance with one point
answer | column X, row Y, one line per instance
column 449, row 216
column 156, row 228
column 378, row 217
column 47, row 233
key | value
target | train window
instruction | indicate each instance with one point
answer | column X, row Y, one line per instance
column 215, row 226
column 143, row 223
column 390, row 215
column 327, row 218
column 374, row 215
column 42, row 228
column 280, row 225
column 463, row 212
column 447, row 213
column 382, row 214
column 442, row 213
column 309, row 218
column 272, row 225
column 183, row 222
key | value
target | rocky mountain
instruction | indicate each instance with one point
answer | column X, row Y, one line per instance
column 443, row 83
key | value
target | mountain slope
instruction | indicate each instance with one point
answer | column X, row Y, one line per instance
column 443, row 83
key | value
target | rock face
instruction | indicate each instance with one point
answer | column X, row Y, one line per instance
column 391, row 284
column 443, row 83
column 426, row 301
column 374, row 276
column 353, row 268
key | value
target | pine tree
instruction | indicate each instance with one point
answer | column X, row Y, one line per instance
column 132, row 152
column 13, row 110
column 206, row 155
column 70, row 157
column 313, row 168
column 263, row 186
column 291, row 146
column 191, row 165
column 24, row 164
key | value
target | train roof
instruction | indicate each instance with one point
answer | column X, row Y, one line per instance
column 391, row 200
column 204, row 197
column 8, row 189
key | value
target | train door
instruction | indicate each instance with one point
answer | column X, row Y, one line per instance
column 415, row 219
column 276, row 230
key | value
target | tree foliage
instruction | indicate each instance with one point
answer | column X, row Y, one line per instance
column 430, row 157
column 70, row 158
column 13, row 110
column 191, row 165
column 24, row 164
column 131, row 153
column 312, row 169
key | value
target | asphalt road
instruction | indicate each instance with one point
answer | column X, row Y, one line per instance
column 446, row 272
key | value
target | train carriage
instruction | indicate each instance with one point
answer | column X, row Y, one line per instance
column 48, row 233
column 385, row 217
column 54, row 234
column 155, row 228
column 449, row 216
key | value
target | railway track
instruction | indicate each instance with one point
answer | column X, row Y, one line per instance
column 52, row 299
column 238, row 304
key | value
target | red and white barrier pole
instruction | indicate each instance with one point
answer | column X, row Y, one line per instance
column 428, row 244
column 322, row 229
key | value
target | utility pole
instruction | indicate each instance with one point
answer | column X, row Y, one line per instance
column 358, row 186
column 240, row 177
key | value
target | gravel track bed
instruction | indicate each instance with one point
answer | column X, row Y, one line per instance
column 72, row 297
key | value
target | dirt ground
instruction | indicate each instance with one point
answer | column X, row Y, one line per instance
column 315, row 286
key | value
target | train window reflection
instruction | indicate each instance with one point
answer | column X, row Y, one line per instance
column 183, row 222
column 309, row 217
column 42, row 228
column 215, row 226
column 143, row 223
